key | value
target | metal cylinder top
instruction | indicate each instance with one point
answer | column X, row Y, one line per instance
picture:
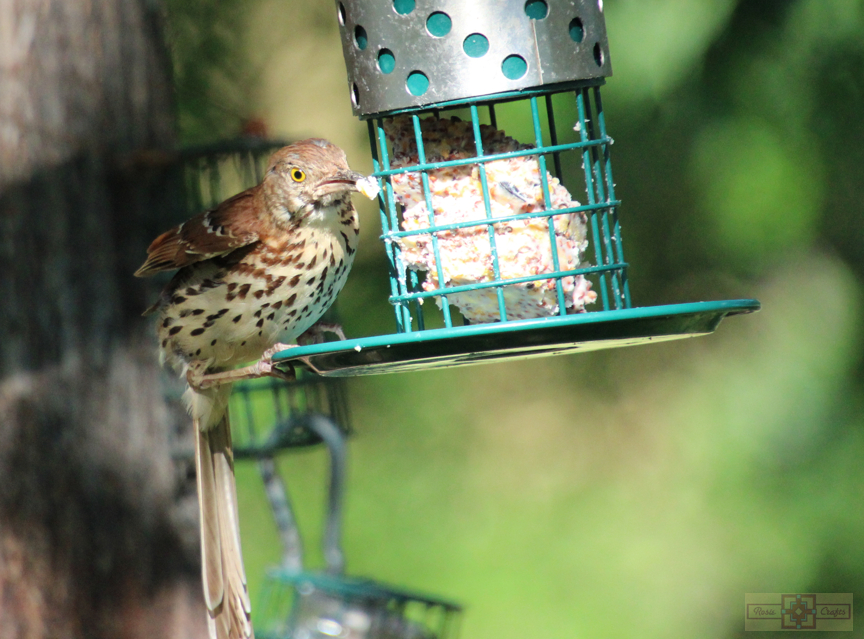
column 412, row 53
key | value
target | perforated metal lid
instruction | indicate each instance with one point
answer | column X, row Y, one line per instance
column 411, row 53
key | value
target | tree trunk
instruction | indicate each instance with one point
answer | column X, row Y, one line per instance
column 96, row 535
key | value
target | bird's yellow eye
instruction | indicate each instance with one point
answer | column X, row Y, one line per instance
column 297, row 175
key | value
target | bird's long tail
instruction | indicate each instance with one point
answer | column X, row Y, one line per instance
column 224, row 577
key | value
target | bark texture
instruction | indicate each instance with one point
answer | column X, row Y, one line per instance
column 97, row 535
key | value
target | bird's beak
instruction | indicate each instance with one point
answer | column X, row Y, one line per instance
column 339, row 183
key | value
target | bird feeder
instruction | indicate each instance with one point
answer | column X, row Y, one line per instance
column 211, row 173
column 306, row 604
column 268, row 417
column 498, row 209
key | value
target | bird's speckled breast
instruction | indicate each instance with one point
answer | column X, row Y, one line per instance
column 226, row 317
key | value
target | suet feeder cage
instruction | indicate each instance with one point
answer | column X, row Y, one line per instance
column 498, row 208
column 268, row 418
column 269, row 415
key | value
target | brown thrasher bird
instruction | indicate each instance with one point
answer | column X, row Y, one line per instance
column 261, row 267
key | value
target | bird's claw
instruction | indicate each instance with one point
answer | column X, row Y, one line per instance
column 265, row 368
column 195, row 380
column 272, row 371
column 262, row 368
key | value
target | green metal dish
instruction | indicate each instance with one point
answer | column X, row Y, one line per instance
column 445, row 347
column 326, row 605
column 354, row 587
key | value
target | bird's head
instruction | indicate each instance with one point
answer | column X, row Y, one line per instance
column 307, row 176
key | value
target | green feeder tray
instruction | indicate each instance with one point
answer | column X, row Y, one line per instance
column 438, row 348
column 325, row 605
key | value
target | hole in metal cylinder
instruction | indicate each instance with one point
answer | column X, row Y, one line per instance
column 536, row 9
column 598, row 54
column 403, row 7
column 417, row 83
column 360, row 38
column 439, row 24
column 475, row 45
column 577, row 30
column 386, row 61
column 514, row 67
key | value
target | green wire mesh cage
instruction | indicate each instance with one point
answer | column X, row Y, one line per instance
column 214, row 172
column 269, row 415
column 498, row 208
column 503, row 188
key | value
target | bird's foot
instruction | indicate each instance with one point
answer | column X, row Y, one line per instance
column 266, row 368
column 315, row 334
column 262, row 368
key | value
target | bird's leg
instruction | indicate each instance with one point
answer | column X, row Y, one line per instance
column 315, row 334
column 262, row 368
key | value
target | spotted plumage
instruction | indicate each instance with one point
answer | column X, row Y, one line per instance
column 258, row 270
column 272, row 275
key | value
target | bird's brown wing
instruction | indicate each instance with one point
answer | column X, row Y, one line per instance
column 231, row 225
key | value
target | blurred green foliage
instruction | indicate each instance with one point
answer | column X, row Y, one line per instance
column 213, row 73
column 640, row 491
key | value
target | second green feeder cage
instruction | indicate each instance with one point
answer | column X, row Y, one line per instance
column 498, row 208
